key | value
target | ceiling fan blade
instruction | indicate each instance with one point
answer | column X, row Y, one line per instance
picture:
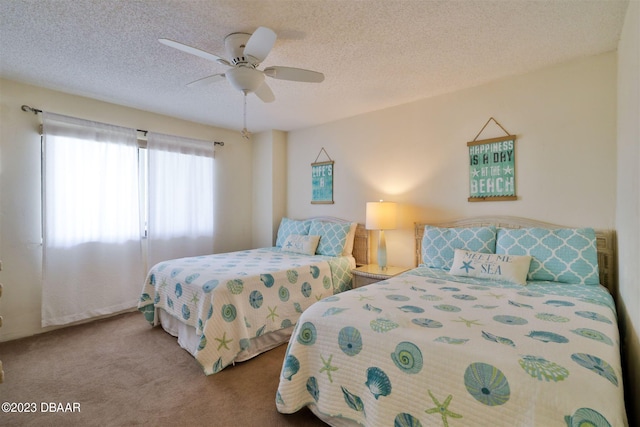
column 294, row 74
column 264, row 93
column 193, row 51
column 260, row 43
column 206, row 80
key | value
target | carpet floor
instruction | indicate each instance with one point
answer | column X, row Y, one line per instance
column 121, row 372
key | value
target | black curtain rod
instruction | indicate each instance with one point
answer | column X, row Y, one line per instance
column 28, row 109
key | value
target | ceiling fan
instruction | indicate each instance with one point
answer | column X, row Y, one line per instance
column 244, row 53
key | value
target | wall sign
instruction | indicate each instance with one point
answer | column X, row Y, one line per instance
column 492, row 171
column 322, row 181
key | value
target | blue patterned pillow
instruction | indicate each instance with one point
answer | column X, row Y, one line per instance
column 291, row 226
column 566, row 255
column 439, row 244
column 333, row 237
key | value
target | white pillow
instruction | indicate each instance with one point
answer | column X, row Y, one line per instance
column 348, row 246
column 511, row 268
column 301, row 244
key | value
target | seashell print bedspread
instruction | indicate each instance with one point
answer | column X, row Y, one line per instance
column 425, row 349
column 232, row 297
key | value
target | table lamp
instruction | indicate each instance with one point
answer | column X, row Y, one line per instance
column 381, row 216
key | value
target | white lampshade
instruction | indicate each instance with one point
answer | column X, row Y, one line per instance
column 381, row 215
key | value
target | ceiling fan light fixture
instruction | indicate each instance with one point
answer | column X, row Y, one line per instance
column 245, row 79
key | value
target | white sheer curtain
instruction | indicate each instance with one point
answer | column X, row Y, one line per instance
column 92, row 258
column 181, row 199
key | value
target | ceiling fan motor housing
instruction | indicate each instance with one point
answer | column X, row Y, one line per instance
column 234, row 44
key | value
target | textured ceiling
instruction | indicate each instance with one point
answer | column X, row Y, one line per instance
column 374, row 53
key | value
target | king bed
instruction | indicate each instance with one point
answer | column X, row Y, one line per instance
column 505, row 321
column 230, row 307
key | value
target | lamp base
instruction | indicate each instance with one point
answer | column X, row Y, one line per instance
column 382, row 251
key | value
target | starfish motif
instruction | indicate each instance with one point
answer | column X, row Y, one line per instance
column 327, row 367
column 496, row 296
column 223, row 341
column 195, row 299
column 468, row 322
column 272, row 313
column 508, row 170
column 442, row 409
column 475, row 173
column 467, row 266
column 164, row 283
column 364, row 297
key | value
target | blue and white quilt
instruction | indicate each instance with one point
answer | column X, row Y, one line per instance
column 232, row 297
column 429, row 349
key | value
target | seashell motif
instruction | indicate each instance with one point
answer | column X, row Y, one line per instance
column 235, row 286
column 592, row 334
column 427, row 323
column 450, row 288
column 326, row 282
column 518, row 304
column 596, row 365
column 331, row 299
column 178, row 290
column 297, row 307
column 307, row 334
column 487, row 384
column 546, row 336
column 414, row 288
column 543, row 369
column 156, row 300
column 530, row 294
column 312, row 388
column 210, row 312
column 447, row 307
column 291, row 367
column 383, row 325
column 411, row 309
column 229, row 312
column 306, row 289
column 352, row 400
column 559, row 303
column 260, row 330
column 549, row 317
column 210, row 285
column 175, row 272
column 406, row 420
column 255, row 299
column 149, row 312
column 217, row 366
column 487, row 307
column 594, row 316
column 479, row 288
column 398, row 298
column 450, row 340
column 286, row 323
column 407, row 357
column 436, row 281
column 203, row 343
column 190, row 278
column 465, row 297
column 186, row 313
column 369, row 307
column 283, row 293
column 350, row 340
column 292, row 276
column 501, row 340
column 170, row 302
column 267, row 279
column 245, row 343
column 378, row 382
column 315, row 271
column 510, row 320
column 333, row 310
column 586, row 417
column 152, row 279
column 279, row 399
column 429, row 297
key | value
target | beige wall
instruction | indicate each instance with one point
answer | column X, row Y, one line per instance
column 628, row 204
column 20, row 220
column 564, row 118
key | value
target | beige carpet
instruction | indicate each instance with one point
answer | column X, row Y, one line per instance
column 122, row 372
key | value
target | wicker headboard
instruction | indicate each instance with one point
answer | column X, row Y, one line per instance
column 360, row 242
column 605, row 244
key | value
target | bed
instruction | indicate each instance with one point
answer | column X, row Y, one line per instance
column 505, row 321
column 230, row 307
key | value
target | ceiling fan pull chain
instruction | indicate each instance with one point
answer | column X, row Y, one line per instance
column 245, row 133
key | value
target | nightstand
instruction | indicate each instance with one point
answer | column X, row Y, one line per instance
column 371, row 273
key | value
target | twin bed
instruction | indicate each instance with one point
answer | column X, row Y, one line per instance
column 230, row 307
column 504, row 322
